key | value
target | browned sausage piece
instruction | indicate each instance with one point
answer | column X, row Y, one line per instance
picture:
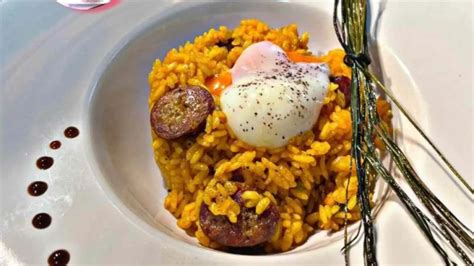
column 181, row 111
column 249, row 230
column 344, row 87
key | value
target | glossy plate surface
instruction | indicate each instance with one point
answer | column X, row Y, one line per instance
column 105, row 195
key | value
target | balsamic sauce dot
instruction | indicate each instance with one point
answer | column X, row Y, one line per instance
column 41, row 220
column 56, row 144
column 71, row 132
column 44, row 162
column 37, row 188
column 59, row 257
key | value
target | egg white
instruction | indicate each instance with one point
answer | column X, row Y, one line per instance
column 272, row 99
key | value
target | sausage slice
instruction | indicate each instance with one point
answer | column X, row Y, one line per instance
column 249, row 230
column 344, row 87
column 181, row 111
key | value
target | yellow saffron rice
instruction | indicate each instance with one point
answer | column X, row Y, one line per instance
column 306, row 179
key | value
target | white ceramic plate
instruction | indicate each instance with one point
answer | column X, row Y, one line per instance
column 65, row 68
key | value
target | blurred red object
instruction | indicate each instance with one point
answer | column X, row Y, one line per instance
column 89, row 5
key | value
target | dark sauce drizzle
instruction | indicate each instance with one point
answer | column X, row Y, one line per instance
column 41, row 220
column 56, row 144
column 59, row 257
column 44, row 162
column 37, row 188
column 71, row 132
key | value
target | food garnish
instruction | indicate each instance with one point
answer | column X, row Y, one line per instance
column 350, row 23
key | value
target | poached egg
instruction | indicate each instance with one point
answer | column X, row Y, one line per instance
column 272, row 99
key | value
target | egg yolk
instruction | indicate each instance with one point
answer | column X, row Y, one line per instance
column 299, row 58
column 218, row 83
